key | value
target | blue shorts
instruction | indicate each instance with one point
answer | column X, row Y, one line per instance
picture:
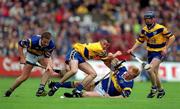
column 153, row 54
column 74, row 55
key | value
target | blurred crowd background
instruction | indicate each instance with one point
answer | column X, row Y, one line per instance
column 85, row 21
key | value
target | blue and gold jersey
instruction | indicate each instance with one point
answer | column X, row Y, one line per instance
column 90, row 50
column 33, row 46
column 118, row 85
column 155, row 37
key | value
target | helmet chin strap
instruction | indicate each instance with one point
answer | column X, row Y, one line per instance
column 150, row 25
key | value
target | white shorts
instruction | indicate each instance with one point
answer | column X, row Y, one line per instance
column 100, row 90
column 32, row 58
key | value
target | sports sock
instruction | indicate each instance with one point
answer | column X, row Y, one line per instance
column 11, row 90
column 154, row 89
column 58, row 84
column 80, row 87
column 68, row 84
column 161, row 90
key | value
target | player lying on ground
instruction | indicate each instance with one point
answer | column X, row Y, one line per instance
column 121, row 83
column 76, row 59
column 39, row 49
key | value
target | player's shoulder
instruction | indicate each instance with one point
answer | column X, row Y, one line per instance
column 144, row 27
column 160, row 26
column 52, row 44
column 35, row 37
column 122, row 70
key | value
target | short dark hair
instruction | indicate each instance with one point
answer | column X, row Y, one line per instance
column 46, row 35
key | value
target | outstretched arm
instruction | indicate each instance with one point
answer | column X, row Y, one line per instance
column 136, row 45
column 112, row 56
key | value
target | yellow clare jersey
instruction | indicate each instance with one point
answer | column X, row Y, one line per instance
column 155, row 37
column 89, row 50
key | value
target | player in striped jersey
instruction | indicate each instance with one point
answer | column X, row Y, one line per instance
column 158, row 40
column 39, row 49
column 119, row 85
column 77, row 57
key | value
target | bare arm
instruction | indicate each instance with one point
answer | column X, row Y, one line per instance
column 136, row 45
column 169, row 43
column 21, row 54
column 112, row 56
column 49, row 63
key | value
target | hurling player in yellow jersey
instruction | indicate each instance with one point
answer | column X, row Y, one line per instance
column 158, row 40
column 76, row 58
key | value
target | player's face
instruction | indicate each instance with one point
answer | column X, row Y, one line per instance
column 44, row 42
column 149, row 21
column 130, row 75
column 105, row 45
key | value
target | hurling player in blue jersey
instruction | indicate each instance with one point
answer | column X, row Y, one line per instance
column 158, row 40
column 121, row 83
column 39, row 49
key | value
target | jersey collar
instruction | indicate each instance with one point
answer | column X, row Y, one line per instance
column 152, row 26
column 40, row 42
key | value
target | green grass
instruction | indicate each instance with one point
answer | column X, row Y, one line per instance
column 24, row 98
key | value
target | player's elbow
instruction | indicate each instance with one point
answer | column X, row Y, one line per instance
column 172, row 38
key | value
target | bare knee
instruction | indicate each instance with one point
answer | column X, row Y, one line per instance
column 73, row 71
column 151, row 70
column 93, row 75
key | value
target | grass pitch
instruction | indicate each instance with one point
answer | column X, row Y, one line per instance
column 24, row 98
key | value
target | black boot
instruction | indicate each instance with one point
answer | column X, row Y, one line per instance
column 8, row 93
column 52, row 91
column 152, row 92
column 77, row 93
column 41, row 92
column 161, row 93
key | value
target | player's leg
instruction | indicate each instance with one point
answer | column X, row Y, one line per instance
column 73, row 65
column 24, row 76
column 161, row 91
column 152, row 75
column 91, row 75
column 157, row 57
column 45, row 77
column 91, row 94
column 91, row 91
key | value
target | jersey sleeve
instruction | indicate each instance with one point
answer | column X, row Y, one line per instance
column 126, row 92
column 25, row 43
column 97, row 49
column 141, row 37
column 167, row 33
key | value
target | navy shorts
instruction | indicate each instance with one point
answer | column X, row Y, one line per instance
column 153, row 54
column 74, row 55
